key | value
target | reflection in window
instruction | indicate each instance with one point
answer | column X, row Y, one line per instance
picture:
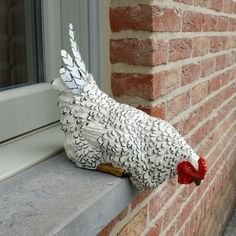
column 20, row 43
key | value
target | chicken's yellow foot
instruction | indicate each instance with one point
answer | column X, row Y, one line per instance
column 108, row 168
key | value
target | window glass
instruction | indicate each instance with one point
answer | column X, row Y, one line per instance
column 20, row 43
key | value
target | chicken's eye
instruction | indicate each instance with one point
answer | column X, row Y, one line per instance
column 190, row 169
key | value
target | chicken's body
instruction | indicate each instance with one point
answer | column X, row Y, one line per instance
column 100, row 130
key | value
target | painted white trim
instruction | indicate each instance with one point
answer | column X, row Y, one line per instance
column 99, row 37
column 94, row 36
column 51, row 28
column 30, row 107
column 30, row 150
column 27, row 108
column 75, row 12
column 90, row 20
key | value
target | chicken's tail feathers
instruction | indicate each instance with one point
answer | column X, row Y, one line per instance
column 75, row 49
column 75, row 85
column 74, row 73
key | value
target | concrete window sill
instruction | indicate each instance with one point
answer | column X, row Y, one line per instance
column 57, row 198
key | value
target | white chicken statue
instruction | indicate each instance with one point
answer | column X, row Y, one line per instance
column 102, row 134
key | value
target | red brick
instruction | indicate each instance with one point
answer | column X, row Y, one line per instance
column 203, row 207
column 234, row 56
column 227, row 108
column 229, row 61
column 167, row 20
column 222, row 23
column 190, row 73
column 177, row 105
column 156, row 111
column 200, row 46
column 199, row 92
column 144, row 17
column 145, row 85
column 203, row 131
column 202, row 3
column 205, row 110
column 159, row 200
column 180, row 49
column 134, row 85
column 184, row 194
column 170, row 212
column 185, row 213
column 138, row 52
column 201, row 189
column 137, row 17
column 227, row 92
column 174, row 208
column 213, row 138
column 159, row 52
column 233, row 7
column 232, row 24
column 233, row 73
column 216, row 5
column 197, row 215
column 191, row 187
column 169, row 80
column 209, row 23
column 189, row 123
column 171, row 231
column 192, row 21
column 139, row 198
column 137, row 225
column 156, row 229
column 227, row 6
column 225, row 78
column 223, row 128
column 176, row 125
column 227, row 42
column 181, row 232
column 214, row 83
column 231, row 42
column 216, row 43
column 154, row 86
column 220, row 62
column 207, row 66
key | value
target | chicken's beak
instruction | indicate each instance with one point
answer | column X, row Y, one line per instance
column 197, row 181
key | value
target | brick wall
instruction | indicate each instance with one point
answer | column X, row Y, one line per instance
column 175, row 59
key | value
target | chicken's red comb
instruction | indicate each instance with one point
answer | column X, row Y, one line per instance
column 202, row 165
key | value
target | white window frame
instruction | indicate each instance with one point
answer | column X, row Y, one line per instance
column 15, row 154
column 27, row 108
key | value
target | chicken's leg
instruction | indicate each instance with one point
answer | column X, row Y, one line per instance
column 108, row 168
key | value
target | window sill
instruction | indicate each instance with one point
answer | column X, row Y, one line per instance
column 27, row 151
column 57, row 198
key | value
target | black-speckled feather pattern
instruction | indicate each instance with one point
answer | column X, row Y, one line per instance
column 100, row 130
